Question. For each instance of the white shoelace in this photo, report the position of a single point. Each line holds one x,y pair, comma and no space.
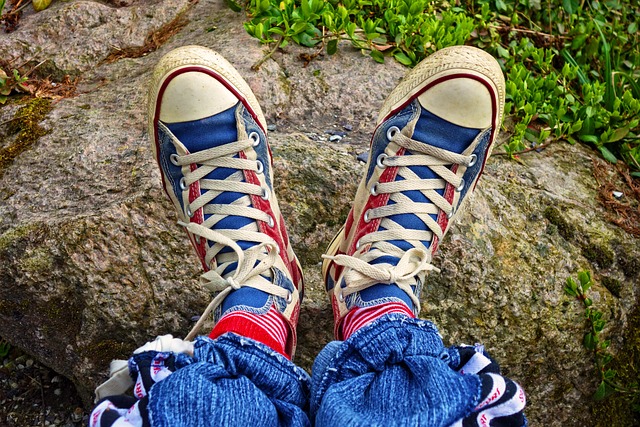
416,262
264,253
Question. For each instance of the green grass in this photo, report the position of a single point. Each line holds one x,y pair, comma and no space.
572,66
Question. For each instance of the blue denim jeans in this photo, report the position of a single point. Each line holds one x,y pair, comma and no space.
393,372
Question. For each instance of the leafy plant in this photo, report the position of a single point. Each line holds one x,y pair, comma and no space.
408,30
573,67
10,83
594,342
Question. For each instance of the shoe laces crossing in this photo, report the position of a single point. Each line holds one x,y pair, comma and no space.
414,263
252,264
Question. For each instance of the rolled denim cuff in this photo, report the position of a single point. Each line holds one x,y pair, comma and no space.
392,372
232,381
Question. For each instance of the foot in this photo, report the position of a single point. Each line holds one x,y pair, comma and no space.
209,137
433,136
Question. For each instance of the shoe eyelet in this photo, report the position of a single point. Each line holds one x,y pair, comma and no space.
289,297
460,187
271,222
174,159
366,216
260,167
380,160
183,184
340,296
474,159
189,213
265,194
255,138
391,132
358,244
452,213
374,189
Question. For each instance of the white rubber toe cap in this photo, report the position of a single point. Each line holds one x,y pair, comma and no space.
461,101
193,96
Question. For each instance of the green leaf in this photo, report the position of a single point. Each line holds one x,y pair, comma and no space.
332,46
570,292
501,5
582,78
377,56
619,133
589,342
306,40
2,6
298,27
402,58
610,374
609,93
631,29
601,392
39,5
636,174
233,5
589,138
608,155
306,9
502,52
570,6
585,278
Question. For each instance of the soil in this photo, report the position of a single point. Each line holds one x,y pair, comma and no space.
33,395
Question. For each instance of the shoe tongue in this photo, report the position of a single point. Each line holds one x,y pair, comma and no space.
438,132
209,132
432,130
435,131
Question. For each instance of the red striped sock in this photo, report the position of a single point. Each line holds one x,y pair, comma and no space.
361,316
269,328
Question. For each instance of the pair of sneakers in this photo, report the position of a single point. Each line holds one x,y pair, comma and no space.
433,136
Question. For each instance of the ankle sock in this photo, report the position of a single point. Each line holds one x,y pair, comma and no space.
362,316
269,328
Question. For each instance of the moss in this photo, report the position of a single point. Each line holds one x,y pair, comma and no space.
616,411
613,285
9,238
566,230
628,262
598,254
285,84
37,260
26,123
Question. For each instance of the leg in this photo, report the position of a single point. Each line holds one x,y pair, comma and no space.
208,134
434,135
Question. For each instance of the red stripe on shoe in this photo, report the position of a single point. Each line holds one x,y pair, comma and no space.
359,317
269,328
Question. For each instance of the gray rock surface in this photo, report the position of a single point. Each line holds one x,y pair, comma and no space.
93,264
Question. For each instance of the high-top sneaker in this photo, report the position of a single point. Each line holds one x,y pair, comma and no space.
433,136
209,137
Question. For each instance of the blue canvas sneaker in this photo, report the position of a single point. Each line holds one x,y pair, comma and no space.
433,136
209,137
